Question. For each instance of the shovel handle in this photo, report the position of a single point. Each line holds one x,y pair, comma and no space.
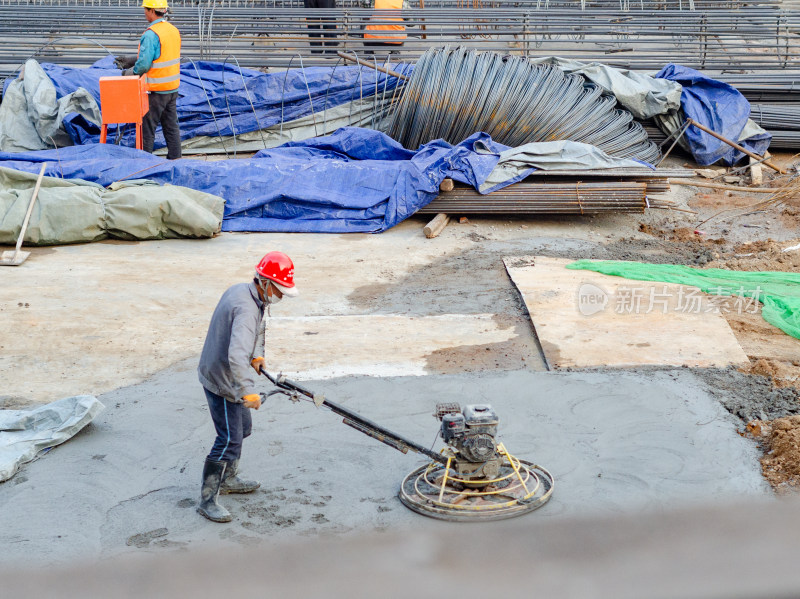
30,208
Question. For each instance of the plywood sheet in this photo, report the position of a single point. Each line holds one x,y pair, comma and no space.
318,347
586,319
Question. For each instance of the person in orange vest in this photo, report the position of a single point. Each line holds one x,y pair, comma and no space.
382,34
158,61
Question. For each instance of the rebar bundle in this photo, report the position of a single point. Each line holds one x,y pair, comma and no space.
260,33
548,198
776,117
453,93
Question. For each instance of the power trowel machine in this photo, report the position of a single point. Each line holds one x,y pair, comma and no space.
472,478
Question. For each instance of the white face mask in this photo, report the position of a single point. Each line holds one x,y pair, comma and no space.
270,299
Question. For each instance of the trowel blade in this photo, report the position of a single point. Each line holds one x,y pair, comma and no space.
13,258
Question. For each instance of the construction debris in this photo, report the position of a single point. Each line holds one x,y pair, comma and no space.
26,434
736,146
724,187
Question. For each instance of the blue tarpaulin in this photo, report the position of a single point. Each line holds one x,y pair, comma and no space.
215,98
354,180
718,106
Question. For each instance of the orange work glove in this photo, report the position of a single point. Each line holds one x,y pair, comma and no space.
257,364
252,401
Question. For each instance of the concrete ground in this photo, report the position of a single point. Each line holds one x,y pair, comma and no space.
616,443
104,315
126,322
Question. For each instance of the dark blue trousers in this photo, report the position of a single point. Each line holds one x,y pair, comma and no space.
233,424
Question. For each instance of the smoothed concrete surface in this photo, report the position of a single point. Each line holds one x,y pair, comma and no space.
616,443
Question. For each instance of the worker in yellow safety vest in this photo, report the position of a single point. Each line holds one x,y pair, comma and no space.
158,61
385,30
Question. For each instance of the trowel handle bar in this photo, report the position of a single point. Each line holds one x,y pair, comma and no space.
357,421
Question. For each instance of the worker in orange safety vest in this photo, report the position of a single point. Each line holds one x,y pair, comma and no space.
385,30
158,61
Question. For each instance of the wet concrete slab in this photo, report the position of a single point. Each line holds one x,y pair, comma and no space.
615,442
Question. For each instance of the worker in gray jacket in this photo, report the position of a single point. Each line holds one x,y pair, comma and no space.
232,356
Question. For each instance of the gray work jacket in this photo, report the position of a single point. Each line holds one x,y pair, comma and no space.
234,338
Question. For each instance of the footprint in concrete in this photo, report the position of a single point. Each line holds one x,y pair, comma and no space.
285,521
261,529
261,512
143,539
229,534
184,503
302,499
322,502
373,499
167,544
276,493
275,447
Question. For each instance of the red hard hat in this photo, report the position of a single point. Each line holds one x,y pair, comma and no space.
277,267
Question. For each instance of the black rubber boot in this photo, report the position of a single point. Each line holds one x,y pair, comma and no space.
213,472
233,484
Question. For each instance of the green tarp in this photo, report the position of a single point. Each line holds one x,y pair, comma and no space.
76,211
779,292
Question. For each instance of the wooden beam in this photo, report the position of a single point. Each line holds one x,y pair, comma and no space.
436,226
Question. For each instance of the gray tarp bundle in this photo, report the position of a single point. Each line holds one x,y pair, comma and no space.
24,434
33,95
549,155
642,95
74,211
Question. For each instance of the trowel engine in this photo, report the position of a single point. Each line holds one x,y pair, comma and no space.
470,435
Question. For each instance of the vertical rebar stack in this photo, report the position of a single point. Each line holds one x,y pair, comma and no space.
453,93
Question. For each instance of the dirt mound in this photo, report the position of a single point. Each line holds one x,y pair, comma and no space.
791,217
782,374
780,440
760,256
680,235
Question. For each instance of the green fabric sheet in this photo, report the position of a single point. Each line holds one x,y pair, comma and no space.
779,292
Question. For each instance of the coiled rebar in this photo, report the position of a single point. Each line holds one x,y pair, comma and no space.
453,93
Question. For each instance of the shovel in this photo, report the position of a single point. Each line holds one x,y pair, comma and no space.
17,257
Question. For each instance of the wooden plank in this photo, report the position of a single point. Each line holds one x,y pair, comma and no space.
585,319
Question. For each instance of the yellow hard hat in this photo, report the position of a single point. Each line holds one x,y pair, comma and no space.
155,4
